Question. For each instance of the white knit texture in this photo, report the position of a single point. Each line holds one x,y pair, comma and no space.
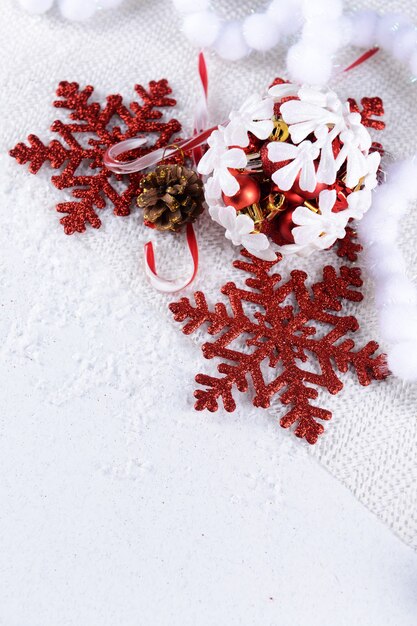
371,443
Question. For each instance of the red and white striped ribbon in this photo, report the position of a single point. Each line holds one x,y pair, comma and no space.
193,147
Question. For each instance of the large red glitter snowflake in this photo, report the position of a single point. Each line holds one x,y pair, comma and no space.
85,138
292,323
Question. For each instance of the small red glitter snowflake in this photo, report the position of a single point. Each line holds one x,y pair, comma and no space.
291,325
84,140
371,108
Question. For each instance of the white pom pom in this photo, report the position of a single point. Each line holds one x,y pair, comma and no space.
202,28
230,44
328,9
109,4
191,6
395,289
413,64
325,31
384,262
286,15
404,43
386,28
308,65
402,360
402,173
36,6
386,202
260,32
345,28
398,322
77,9
378,230
364,27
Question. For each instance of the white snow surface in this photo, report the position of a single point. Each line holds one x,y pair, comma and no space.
121,505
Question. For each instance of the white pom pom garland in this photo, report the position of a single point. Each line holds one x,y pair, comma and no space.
260,32
230,44
36,6
78,10
201,28
325,29
191,6
235,39
402,360
395,294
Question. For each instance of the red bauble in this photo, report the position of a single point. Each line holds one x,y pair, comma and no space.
269,167
254,144
341,203
292,198
280,228
285,226
249,193
308,195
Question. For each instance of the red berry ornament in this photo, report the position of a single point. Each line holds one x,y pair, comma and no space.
249,193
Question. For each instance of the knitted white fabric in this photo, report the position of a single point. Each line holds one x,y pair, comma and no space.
371,443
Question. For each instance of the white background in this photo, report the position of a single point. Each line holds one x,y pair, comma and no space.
119,504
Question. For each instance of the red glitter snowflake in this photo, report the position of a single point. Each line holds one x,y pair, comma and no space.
292,323
85,138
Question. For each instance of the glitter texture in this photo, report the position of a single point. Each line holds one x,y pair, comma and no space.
292,324
85,138
371,107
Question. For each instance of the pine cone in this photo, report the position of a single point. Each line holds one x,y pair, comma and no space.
171,196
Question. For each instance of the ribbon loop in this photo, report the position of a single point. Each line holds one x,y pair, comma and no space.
167,285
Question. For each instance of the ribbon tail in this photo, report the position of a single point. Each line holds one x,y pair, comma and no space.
201,114
166,285
364,57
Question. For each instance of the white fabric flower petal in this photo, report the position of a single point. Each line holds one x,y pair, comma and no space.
261,129
280,151
244,224
227,217
308,180
303,118
373,162
354,123
212,190
236,135
255,116
207,163
319,230
285,177
324,99
214,212
327,170
284,90
255,241
305,235
302,216
228,183
358,203
327,199
217,160
258,245
234,158
356,164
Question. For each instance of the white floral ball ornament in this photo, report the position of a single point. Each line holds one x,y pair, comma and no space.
312,158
